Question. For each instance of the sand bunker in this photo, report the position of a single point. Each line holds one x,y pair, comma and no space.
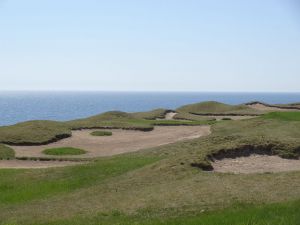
262,107
25,164
255,164
170,115
121,141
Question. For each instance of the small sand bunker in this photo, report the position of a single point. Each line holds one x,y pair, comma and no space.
25,164
170,115
255,164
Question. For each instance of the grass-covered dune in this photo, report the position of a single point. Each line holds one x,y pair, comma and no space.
6,152
164,185
34,132
151,115
114,119
217,108
295,106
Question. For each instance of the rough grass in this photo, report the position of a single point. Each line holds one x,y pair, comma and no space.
114,119
101,133
180,123
33,132
217,108
273,214
64,151
192,117
6,152
151,115
284,116
22,186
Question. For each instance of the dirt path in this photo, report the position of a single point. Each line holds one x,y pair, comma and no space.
25,164
255,164
121,141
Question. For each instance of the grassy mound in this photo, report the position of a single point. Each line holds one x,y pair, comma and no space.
101,133
192,117
34,133
217,108
114,119
6,152
151,115
180,123
64,151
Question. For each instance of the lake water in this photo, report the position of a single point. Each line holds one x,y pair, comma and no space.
22,106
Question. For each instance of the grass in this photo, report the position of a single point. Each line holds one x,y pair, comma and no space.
180,123
217,108
6,152
192,117
23,186
284,116
273,214
101,133
151,115
34,132
64,151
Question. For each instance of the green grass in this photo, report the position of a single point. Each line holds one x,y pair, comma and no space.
33,132
192,117
180,123
6,152
101,133
217,108
21,186
151,115
284,116
64,151
273,214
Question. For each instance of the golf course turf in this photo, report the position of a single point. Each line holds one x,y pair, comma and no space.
166,184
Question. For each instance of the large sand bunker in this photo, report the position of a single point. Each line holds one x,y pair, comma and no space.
267,108
255,164
121,141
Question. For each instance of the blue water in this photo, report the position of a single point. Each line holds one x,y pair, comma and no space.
22,106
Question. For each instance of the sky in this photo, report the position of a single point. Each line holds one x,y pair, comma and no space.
150,45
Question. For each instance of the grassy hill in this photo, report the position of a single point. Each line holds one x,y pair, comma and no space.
217,108
151,115
161,185
34,132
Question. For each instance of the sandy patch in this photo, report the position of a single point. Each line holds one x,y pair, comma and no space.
121,141
262,107
25,164
255,164
170,115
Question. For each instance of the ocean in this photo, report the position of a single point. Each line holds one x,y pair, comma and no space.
23,106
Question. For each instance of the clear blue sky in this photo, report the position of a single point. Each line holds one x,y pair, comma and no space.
150,45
